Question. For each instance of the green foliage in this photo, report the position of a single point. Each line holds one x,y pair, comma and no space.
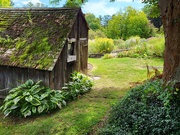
151,10
147,109
101,45
31,99
107,56
152,47
5,3
119,44
93,22
96,34
6,41
79,85
156,46
74,3
129,23
136,47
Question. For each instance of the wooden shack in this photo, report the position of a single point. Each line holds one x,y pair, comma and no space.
42,44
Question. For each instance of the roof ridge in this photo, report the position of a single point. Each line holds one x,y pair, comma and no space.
34,9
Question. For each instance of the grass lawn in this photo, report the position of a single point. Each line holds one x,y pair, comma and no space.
84,115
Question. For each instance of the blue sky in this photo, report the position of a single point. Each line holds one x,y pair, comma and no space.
97,7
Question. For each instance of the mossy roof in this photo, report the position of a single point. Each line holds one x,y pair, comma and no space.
34,38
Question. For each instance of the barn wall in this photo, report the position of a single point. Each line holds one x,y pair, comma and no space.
11,77
83,43
58,75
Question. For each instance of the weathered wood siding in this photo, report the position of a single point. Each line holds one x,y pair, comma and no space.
11,77
83,44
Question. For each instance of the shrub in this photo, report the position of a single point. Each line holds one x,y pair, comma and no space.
96,34
119,44
152,47
101,45
107,56
30,99
132,41
79,85
156,46
137,48
147,109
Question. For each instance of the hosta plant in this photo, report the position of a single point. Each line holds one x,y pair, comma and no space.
79,84
30,99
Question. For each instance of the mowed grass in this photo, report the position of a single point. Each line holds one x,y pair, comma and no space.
84,115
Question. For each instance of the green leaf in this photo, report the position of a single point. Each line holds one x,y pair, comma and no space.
29,83
14,107
40,109
14,90
29,98
64,103
26,93
34,110
54,100
59,105
9,97
27,113
38,90
35,102
7,112
17,99
44,95
8,104
24,108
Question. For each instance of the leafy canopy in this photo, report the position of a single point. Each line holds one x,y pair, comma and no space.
94,23
5,3
130,22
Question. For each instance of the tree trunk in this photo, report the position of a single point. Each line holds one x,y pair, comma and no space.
170,12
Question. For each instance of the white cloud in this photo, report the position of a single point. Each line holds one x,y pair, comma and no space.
99,8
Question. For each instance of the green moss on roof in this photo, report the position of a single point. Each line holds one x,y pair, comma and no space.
34,38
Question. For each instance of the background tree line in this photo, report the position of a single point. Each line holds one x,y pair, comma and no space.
122,25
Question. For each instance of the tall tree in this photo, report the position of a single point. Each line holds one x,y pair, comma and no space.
153,14
93,21
170,12
130,22
105,19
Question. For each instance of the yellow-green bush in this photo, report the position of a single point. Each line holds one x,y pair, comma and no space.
101,45
152,47
156,46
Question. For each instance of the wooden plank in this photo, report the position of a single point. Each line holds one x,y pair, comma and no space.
51,79
46,78
2,77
